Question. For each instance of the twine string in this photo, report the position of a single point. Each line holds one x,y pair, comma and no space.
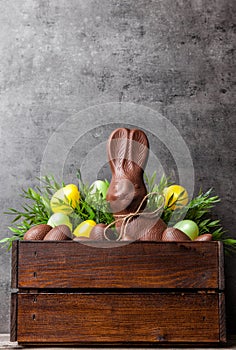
127,218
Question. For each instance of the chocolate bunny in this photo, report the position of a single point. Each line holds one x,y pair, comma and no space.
127,154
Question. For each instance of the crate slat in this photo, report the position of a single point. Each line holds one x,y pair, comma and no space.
137,265
13,329
221,266
222,318
14,264
118,318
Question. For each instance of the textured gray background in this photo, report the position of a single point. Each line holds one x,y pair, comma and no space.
59,57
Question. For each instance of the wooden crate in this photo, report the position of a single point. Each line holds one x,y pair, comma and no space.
144,293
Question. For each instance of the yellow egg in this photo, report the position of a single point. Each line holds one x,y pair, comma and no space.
65,199
84,228
176,197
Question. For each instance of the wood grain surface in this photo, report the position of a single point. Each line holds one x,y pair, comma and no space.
221,267
137,265
14,264
222,318
118,318
13,329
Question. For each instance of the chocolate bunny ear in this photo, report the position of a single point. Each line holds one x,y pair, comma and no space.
138,148
117,147
127,150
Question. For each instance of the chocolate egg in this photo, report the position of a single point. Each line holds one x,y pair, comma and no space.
97,233
37,233
145,229
204,237
172,234
154,233
58,233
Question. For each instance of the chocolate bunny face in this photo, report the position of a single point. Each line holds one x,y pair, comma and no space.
127,154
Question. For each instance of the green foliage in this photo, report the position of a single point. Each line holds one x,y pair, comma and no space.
92,206
35,209
152,186
155,201
195,210
199,210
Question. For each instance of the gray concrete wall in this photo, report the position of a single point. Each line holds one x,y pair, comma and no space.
60,57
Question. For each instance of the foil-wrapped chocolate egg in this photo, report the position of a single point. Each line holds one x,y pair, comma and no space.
172,234
37,233
97,233
58,233
204,237
153,233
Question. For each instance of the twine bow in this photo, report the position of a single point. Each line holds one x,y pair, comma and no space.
127,218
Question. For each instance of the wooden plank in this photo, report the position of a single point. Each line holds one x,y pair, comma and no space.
13,330
137,265
14,264
222,318
221,266
118,318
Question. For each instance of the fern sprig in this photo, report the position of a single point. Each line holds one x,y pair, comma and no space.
34,210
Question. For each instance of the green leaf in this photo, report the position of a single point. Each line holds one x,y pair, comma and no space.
16,218
6,239
214,223
13,229
230,241
204,222
169,203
